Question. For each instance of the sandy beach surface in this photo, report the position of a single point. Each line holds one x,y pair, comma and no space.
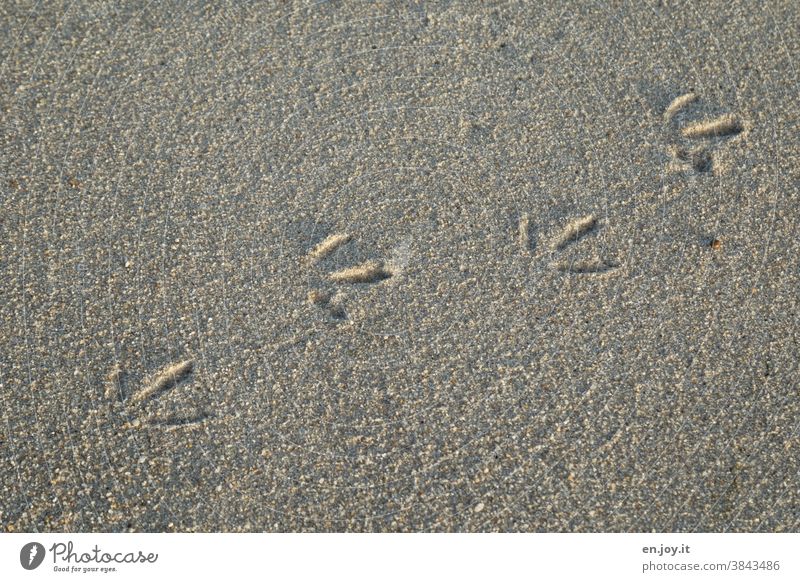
399,266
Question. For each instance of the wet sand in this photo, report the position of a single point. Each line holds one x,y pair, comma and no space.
452,266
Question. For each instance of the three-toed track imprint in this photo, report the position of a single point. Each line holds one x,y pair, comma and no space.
569,235
369,272
141,407
687,154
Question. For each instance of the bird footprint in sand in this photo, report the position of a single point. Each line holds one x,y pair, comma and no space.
141,407
687,154
571,234
333,300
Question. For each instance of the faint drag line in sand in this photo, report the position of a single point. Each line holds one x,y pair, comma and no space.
587,267
34,10
29,359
